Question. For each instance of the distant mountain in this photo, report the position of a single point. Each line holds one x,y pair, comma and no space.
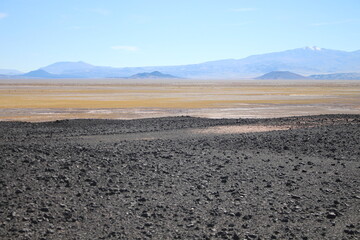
85,70
337,76
9,72
40,73
304,61
281,75
155,74
68,67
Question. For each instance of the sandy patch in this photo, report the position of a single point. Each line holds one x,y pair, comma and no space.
239,129
182,133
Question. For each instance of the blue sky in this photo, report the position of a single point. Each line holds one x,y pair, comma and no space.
36,33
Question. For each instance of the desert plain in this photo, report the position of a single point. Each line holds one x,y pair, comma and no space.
54,99
120,159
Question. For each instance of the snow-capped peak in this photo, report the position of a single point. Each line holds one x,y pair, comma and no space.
313,48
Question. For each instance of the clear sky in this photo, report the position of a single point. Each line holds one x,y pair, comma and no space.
121,33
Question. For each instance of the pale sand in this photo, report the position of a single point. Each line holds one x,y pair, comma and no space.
181,134
240,129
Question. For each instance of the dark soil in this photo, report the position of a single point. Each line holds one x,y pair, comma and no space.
106,179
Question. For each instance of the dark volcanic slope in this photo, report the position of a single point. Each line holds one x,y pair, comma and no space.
59,181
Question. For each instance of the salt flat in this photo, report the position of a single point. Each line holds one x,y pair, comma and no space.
52,99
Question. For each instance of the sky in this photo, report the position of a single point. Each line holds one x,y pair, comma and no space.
122,33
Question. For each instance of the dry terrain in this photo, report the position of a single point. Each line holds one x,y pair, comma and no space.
43,100
181,178
240,173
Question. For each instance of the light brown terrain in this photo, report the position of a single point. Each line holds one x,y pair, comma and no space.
46,100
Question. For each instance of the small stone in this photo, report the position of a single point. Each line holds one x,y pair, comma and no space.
295,197
252,236
331,215
145,214
247,217
210,225
93,183
67,214
18,191
350,232
350,226
236,237
44,209
224,179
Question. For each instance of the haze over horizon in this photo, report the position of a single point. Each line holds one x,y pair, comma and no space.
162,33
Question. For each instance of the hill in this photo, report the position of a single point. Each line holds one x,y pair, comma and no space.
155,74
281,75
40,73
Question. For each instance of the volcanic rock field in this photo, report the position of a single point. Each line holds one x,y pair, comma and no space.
181,178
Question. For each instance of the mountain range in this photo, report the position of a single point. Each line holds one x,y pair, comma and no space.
305,61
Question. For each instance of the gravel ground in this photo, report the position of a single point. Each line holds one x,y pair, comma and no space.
173,178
